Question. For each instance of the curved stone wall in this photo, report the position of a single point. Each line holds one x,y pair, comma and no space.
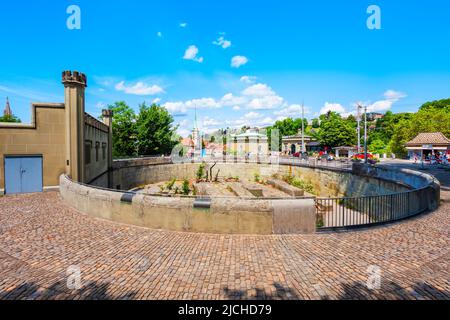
221,215
231,215
327,182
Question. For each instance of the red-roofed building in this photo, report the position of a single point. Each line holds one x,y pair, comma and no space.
428,143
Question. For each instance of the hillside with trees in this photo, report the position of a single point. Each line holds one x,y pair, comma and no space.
386,135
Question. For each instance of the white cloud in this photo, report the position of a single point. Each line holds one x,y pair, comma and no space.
293,111
266,121
394,95
184,132
176,107
248,79
379,106
231,100
202,103
183,106
191,54
100,105
391,97
267,102
207,122
140,88
251,121
258,90
262,97
238,61
156,101
221,42
183,24
333,107
253,115
236,108
159,34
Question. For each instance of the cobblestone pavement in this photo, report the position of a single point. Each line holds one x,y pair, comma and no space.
41,238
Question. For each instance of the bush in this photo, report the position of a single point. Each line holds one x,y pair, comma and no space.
257,177
171,183
185,187
200,172
299,183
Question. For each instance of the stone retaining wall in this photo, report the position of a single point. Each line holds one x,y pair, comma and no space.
406,177
224,215
327,183
231,215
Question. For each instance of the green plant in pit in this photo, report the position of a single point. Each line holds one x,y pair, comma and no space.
299,183
170,184
257,177
288,178
304,185
320,223
185,187
200,171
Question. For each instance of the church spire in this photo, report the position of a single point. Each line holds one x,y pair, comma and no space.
196,123
7,111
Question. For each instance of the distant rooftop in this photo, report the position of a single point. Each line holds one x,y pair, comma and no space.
429,138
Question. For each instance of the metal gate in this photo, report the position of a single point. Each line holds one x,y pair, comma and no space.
23,174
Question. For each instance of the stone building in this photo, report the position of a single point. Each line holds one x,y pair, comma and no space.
61,139
251,143
293,144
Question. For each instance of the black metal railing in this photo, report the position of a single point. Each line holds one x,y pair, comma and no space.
343,164
349,212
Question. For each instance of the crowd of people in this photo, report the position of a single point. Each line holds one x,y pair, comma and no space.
433,158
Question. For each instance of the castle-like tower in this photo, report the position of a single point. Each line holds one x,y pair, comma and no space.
7,111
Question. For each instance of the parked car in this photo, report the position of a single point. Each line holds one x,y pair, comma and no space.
361,156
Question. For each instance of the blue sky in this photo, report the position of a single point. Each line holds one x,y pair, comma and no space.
180,54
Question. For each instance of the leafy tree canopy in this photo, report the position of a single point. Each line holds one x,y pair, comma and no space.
335,131
124,130
439,104
155,131
12,119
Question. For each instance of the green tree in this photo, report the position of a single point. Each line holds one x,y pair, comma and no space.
431,118
287,127
156,134
12,119
377,146
315,123
439,104
124,130
335,131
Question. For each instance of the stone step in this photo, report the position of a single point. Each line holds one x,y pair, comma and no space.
286,188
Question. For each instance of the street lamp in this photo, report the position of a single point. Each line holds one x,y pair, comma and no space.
303,130
358,119
365,135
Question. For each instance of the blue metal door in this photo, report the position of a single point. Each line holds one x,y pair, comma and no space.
23,174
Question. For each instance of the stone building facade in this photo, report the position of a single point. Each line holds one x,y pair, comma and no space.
61,139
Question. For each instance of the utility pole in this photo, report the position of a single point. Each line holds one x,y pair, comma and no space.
358,119
303,130
365,135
